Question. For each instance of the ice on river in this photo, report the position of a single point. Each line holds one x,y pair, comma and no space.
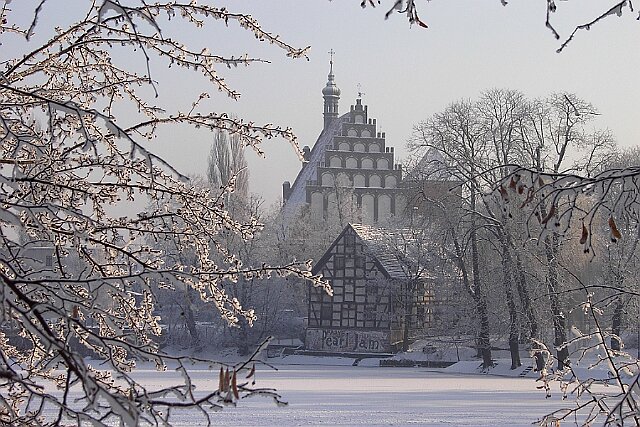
355,395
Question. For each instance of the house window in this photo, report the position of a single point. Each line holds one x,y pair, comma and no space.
348,315
338,262
49,261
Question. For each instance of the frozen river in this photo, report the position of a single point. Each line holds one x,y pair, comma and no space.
346,395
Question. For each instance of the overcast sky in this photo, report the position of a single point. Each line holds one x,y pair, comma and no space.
407,74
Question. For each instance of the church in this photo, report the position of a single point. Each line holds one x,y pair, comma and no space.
350,165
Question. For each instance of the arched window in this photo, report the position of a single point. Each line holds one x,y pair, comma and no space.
335,162
343,180
390,181
384,207
367,208
367,163
383,164
327,179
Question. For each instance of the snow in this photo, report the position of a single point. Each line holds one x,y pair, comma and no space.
331,391
343,391
348,395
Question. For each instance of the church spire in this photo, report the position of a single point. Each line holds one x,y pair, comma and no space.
331,95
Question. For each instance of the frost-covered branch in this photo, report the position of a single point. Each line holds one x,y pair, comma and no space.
81,259
409,8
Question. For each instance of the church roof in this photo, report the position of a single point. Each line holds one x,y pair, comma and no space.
331,89
433,166
298,195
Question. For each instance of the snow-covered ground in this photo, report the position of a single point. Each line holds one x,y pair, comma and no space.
329,391
332,391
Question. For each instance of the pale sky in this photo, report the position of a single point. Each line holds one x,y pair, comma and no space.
407,74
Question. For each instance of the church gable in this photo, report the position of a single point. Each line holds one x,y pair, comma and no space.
350,167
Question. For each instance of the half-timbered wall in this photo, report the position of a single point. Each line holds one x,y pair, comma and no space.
361,295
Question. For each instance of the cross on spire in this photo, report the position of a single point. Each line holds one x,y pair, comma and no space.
331,53
360,92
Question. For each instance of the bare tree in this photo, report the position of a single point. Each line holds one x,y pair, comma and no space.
458,134
598,213
62,181
228,165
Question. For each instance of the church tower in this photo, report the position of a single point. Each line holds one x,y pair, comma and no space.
331,95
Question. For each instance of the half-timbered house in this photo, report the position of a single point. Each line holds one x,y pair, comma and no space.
382,292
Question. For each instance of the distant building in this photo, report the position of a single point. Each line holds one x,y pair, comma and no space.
350,164
382,295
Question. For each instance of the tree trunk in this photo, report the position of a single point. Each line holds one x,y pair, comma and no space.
514,331
478,291
559,319
405,333
190,321
482,342
525,300
616,327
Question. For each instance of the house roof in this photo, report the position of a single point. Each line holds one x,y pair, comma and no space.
398,251
399,254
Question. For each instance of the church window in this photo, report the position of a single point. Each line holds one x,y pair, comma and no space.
327,180
390,181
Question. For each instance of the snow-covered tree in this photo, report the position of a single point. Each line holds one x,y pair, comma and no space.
88,208
475,140
228,165
599,222
458,134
